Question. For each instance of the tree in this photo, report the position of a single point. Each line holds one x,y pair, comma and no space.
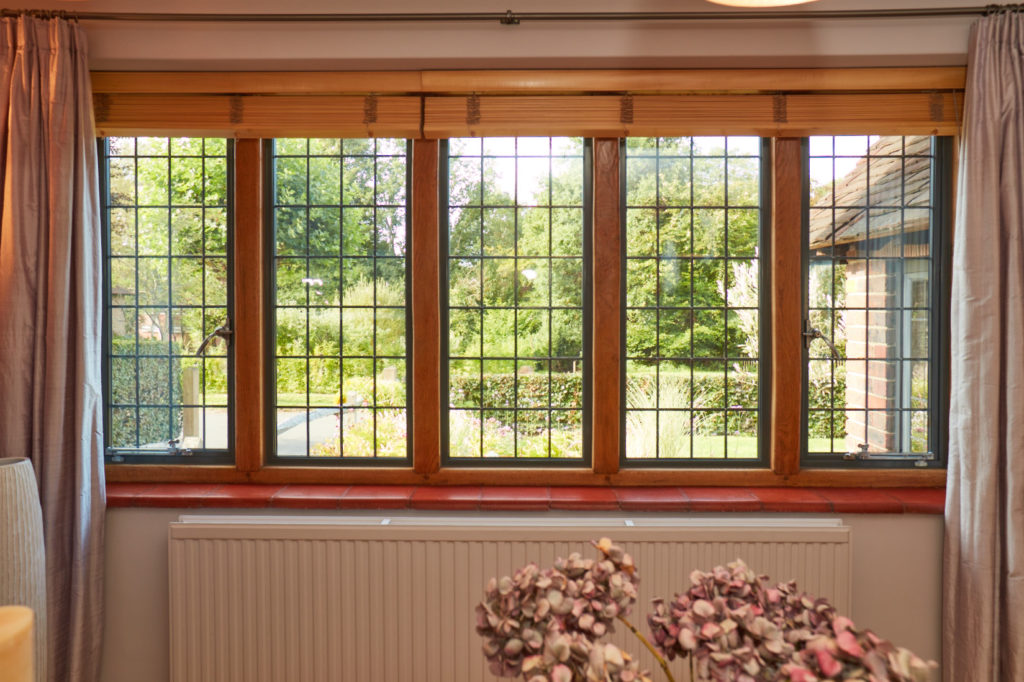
690,216
526,256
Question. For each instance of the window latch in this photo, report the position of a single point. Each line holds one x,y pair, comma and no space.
223,331
863,453
810,333
172,447
860,453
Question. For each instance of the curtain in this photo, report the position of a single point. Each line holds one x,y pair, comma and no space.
983,611
50,318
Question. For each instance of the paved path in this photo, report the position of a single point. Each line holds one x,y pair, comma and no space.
291,441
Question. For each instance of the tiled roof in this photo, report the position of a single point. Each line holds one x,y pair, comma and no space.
899,178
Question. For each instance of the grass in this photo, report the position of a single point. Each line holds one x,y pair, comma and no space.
299,399
826,445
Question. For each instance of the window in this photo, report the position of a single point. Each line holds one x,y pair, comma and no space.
339,297
601,288
692,299
874,299
517,234
166,205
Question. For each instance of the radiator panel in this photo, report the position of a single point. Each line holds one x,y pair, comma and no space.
286,600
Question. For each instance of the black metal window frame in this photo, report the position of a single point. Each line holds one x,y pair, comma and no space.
447,460
764,324
270,304
172,455
940,259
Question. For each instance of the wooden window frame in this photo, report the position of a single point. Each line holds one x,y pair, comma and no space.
786,104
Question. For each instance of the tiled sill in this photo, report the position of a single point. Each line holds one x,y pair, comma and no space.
483,498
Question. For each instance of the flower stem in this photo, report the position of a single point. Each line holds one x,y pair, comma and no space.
661,661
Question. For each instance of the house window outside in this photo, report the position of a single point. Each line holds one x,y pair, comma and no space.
874,274
516,279
167,244
693,277
339,291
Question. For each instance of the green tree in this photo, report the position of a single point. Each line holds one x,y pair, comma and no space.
688,215
527,256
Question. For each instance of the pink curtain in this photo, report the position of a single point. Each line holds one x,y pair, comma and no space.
983,612
50,318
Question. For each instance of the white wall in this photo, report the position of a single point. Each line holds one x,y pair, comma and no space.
897,570
255,46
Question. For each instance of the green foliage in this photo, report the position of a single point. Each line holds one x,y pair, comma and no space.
355,190
708,391
501,440
168,236
526,391
362,432
532,257
150,384
678,237
360,390
356,330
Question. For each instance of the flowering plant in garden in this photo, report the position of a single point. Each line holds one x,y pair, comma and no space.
731,624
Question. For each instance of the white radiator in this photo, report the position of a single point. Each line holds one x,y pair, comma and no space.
329,599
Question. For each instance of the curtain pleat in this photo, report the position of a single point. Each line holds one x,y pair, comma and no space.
983,611
50,319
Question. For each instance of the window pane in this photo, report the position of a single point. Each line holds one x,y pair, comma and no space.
869,294
693,227
516,303
340,319
165,213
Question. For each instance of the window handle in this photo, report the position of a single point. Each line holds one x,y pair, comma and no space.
223,331
810,333
173,449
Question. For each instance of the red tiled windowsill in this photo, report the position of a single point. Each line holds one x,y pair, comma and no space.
529,498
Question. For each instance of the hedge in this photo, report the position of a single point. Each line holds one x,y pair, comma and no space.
499,390
153,387
709,391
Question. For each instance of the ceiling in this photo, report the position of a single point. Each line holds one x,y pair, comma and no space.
569,44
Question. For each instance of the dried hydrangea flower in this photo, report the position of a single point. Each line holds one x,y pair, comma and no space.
734,626
543,624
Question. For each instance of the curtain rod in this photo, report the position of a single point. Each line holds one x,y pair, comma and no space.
514,18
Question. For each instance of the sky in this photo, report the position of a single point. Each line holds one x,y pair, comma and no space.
831,157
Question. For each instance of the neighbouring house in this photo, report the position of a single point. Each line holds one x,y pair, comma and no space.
873,226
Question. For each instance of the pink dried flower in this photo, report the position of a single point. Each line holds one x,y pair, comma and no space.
736,627
542,624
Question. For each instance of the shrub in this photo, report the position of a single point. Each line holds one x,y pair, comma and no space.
154,388
299,330
709,391
501,390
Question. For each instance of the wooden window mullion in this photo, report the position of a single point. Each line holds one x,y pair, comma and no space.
607,283
786,304
425,301
248,314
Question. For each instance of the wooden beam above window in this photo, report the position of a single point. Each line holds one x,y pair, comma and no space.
562,81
